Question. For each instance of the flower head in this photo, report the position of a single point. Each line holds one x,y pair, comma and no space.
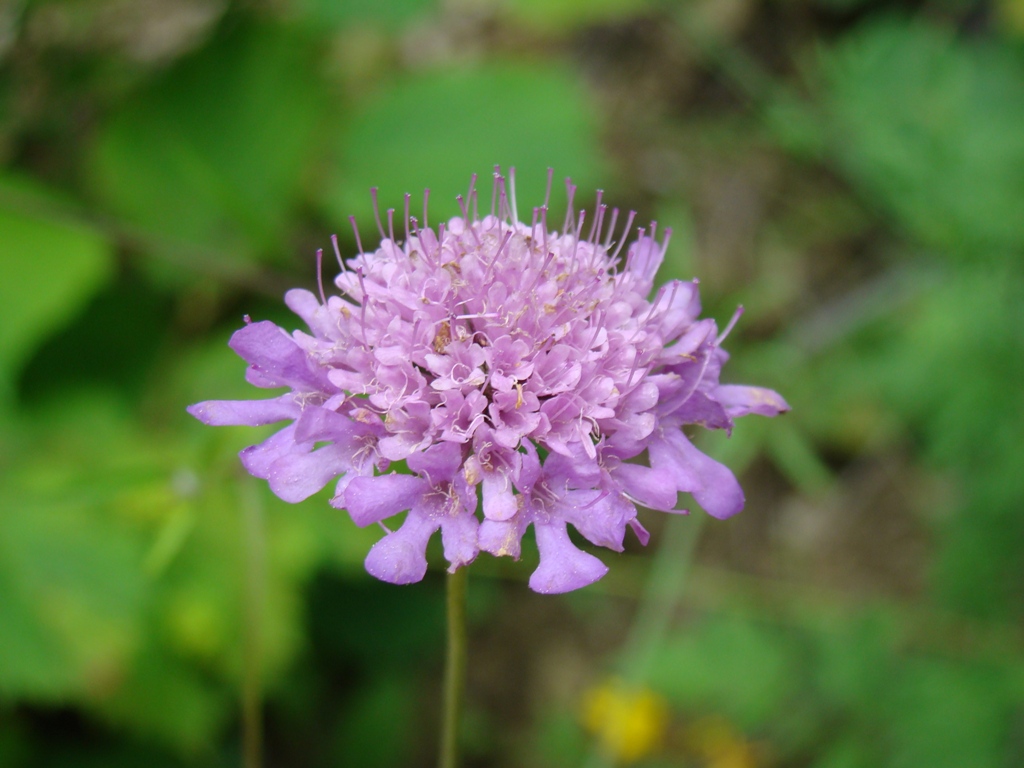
525,372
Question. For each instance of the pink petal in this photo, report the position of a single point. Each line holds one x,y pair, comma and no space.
563,567
502,539
250,413
297,475
739,400
719,492
372,499
258,459
653,487
401,556
459,536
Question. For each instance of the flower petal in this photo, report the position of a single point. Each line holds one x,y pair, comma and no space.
739,400
276,360
504,538
600,517
401,556
372,499
459,536
250,413
499,503
719,491
297,475
653,487
258,459
563,567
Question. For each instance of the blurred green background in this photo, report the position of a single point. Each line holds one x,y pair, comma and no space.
851,171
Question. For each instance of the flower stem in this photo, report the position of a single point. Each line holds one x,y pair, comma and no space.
454,669
252,650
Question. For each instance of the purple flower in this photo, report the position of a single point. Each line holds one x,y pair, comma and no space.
524,376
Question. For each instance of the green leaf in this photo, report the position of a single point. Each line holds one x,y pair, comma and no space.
566,14
52,267
930,128
435,130
375,726
70,599
165,698
215,153
388,13
731,664
943,714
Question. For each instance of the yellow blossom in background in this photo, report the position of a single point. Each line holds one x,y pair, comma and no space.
628,721
718,744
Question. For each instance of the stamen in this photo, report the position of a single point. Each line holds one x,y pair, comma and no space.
547,191
502,199
570,192
735,317
544,220
597,218
391,224
440,243
494,189
470,196
376,211
465,214
598,224
426,197
406,217
337,252
573,261
625,233
629,256
512,192
320,274
355,231
611,228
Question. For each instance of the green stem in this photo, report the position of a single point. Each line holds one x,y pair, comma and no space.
252,650
455,669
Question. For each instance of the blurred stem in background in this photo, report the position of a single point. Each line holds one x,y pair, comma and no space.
252,652
455,669
662,595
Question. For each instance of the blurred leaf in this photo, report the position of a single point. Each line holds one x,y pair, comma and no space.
795,456
51,267
70,597
375,725
168,700
731,665
559,740
435,130
216,151
100,346
944,715
387,13
847,753
565,14
89,503
856,662
929,126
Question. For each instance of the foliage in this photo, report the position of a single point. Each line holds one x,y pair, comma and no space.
852,174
